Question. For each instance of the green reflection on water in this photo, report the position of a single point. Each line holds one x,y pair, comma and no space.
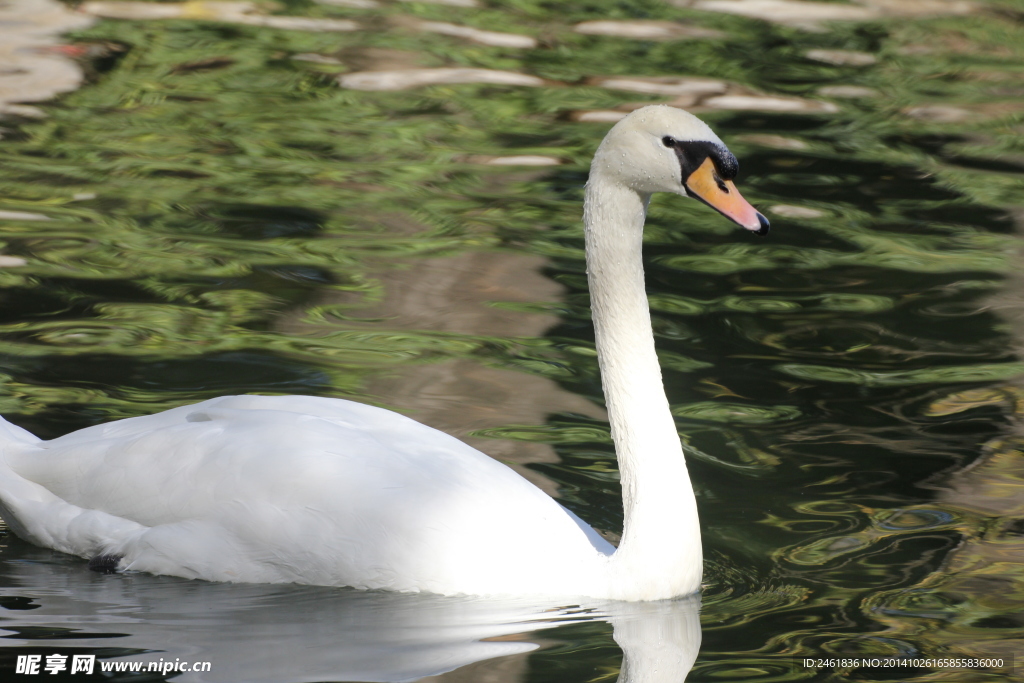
818,376
734,412
965,373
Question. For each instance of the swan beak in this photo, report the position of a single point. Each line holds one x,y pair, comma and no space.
722,195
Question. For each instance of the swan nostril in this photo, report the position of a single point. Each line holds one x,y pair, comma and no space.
721,183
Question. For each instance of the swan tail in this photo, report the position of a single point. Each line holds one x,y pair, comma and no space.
38,516
10,433
15,491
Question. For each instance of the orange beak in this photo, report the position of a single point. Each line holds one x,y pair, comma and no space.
722,195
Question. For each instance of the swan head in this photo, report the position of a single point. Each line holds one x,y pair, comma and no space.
664,149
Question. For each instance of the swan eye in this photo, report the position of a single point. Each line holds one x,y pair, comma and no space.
668,141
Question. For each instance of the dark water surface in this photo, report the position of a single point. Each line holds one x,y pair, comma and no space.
222,217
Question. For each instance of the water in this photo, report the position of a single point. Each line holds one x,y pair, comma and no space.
224,218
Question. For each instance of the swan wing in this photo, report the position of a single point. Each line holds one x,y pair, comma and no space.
299,489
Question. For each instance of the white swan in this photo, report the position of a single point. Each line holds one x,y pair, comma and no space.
331,492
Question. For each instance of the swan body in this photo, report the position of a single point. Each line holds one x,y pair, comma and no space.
332,492
301,489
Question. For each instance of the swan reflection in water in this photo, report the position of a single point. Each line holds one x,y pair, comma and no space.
255,632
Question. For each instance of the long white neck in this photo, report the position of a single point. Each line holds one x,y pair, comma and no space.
660,552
